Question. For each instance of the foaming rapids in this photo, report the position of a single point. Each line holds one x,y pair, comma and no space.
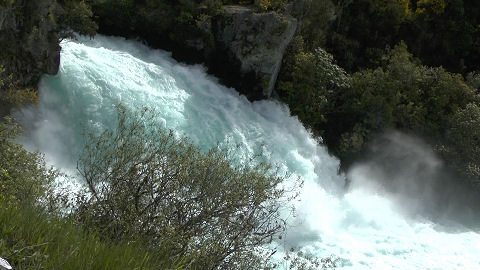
363,227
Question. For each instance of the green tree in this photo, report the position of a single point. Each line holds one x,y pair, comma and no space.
76,16
24,177
12,95
144,182
362,29
463,142
401,94
315,22
309,83
439,32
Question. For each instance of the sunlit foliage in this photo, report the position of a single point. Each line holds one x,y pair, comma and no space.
143,182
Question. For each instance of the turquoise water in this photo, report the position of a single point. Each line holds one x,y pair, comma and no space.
362,226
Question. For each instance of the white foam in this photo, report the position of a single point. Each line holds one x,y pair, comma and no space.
361,227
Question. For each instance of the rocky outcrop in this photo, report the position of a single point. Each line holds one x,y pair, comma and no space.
29,40
242,47
250,48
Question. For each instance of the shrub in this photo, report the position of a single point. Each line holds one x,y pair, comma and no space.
11,95
36,234
463,142
24,178
144,182
405,95
77,16
309,84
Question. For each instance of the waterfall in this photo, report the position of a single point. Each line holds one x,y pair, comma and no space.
363,226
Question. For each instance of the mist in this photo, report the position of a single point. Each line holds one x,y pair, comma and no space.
378,223
406,170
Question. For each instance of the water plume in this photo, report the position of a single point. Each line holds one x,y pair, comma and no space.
406,170
362,226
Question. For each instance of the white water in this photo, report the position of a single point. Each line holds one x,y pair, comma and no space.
361,227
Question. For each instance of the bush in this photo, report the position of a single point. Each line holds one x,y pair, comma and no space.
309,83
12,95
24,178
318,14
363,28
266,5
463,142
146,183
36,234
405,95
77,16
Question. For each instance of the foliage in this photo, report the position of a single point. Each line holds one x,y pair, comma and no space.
391,89
309,83
473,80
12,95
314,25
76,17
439,32
297,260
144,182
18,97
34,235
23,175
363,29
435,6
463,137
6,2
264,5
166,24
404,95
399,94
30,239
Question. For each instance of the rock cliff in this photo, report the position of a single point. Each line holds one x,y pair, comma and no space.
29,40
252,47
242,47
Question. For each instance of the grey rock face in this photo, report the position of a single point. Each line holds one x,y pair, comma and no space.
255,43
29,40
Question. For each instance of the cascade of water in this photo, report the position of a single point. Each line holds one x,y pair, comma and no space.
361,227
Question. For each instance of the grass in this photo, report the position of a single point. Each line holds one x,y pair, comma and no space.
33,240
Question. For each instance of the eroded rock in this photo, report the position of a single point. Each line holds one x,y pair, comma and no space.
29,40
252,45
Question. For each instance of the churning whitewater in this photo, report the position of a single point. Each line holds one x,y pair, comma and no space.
361,227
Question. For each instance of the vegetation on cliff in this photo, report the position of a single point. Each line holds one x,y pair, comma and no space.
30,32
439,32
388,87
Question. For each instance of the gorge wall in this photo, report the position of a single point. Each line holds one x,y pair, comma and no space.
252,46
242,47
29,40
